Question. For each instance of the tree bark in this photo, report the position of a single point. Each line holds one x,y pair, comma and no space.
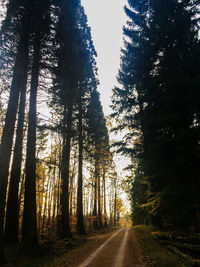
45,207
65,222
20,70
12,215
80,222
95,221
115,202
72,187
29,225
104,200
100,224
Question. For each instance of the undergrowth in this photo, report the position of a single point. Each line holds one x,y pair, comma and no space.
158,253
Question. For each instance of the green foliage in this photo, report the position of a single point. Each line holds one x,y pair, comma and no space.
157,108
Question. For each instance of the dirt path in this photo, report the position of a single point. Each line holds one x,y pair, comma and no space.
120,250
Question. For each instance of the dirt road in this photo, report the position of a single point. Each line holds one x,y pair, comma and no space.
120,250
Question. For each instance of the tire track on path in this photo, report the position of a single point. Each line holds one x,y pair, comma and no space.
96,253
120,255
111,253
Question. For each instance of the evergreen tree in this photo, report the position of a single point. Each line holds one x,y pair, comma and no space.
99,135
29,226
157,104
73,75
87,82
18,11
12,213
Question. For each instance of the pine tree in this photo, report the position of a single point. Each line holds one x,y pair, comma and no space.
67,83
29,226
87,82
98,133
17,12
156,103
12,213
74,75
174,126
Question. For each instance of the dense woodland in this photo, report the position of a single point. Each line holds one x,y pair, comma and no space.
157,107
57,174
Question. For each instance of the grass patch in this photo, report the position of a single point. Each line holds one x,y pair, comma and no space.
158,253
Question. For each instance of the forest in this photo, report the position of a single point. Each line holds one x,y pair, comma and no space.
157,107
57,171
58,175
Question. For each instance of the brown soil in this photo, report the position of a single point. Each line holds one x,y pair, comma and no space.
76,255
80,249
133,256
133,253
107,256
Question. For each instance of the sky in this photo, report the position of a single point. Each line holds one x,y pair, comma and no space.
106,19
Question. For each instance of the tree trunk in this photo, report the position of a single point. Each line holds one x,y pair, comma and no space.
100,224
45,208
59,184
20,199
12,215
115,203
80,222
20,70
50,197
111,206
104,200
65,222
72,183
95,222
29,225
54,197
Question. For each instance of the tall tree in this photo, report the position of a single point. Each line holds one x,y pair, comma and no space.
12,213
73,78
87,77
66,84
98,133
80,223
153,105
29,227
22,11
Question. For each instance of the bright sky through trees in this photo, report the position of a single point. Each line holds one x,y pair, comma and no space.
106,19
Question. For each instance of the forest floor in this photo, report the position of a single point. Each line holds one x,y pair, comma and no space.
111,247
140,246
168,248
57,253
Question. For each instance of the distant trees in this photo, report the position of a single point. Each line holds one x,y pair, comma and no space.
100,148
74,80
157,108
54,168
